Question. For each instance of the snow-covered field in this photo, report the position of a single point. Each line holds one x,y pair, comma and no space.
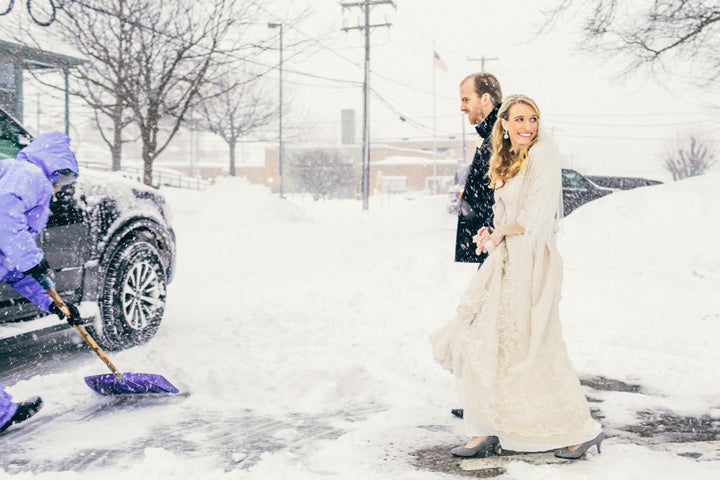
297,332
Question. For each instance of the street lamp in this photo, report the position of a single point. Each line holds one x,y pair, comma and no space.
280,108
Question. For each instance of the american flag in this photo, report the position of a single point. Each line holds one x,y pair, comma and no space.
438,62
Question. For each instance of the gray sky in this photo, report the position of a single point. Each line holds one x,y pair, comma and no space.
603,123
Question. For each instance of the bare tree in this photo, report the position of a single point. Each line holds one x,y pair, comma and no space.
236,110
181,46
104,38
324,173
147,61
656,33
689,160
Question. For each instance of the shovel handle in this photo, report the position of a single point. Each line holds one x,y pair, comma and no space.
84,334
96,348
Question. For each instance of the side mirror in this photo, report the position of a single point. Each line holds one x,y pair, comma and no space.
24,140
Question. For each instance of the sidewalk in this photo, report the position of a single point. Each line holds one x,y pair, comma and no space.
660,430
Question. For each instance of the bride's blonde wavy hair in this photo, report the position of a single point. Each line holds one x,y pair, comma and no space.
504,162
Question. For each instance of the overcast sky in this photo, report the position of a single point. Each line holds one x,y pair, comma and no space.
603,122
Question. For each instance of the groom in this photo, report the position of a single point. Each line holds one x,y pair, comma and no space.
480,99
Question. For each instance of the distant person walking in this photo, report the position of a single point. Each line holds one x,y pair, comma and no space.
505,344
27,184
480,97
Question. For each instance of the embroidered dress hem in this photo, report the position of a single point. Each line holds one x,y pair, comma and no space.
519,443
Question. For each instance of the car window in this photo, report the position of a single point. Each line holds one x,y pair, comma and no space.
12,137
64,209
572,179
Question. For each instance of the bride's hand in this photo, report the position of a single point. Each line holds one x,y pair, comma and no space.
497,237
481,240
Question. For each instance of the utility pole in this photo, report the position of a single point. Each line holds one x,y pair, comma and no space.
434,113
365,6
280,131
482,61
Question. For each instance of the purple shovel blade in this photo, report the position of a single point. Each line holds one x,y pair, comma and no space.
130,383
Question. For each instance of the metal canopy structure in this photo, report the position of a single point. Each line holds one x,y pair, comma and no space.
14,59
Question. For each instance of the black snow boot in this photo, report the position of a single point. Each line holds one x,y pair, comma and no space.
25,410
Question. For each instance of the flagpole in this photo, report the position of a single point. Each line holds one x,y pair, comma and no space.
435,185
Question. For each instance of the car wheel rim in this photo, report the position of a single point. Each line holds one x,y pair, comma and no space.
141,295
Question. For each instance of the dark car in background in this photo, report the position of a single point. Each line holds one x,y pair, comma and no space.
622,183
111,246
576,188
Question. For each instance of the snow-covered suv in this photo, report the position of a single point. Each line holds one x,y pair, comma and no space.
112,248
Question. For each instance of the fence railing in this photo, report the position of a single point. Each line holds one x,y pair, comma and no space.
163,178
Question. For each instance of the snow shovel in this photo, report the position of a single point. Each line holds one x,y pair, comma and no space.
116,383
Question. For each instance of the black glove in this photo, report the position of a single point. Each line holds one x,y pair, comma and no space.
43,274
73,319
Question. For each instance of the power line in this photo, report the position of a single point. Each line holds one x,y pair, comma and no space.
482,61
625,115
47,7
353,62
405,118
627,125
365,7
312,39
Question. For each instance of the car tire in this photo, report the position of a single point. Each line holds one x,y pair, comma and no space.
132,300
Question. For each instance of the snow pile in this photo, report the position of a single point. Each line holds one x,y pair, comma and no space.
642,269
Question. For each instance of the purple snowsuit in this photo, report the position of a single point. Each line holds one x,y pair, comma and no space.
7,406
26,188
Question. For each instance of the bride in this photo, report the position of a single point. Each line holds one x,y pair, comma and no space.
505,346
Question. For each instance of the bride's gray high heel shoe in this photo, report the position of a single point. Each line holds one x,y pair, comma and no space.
484,448
580,451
